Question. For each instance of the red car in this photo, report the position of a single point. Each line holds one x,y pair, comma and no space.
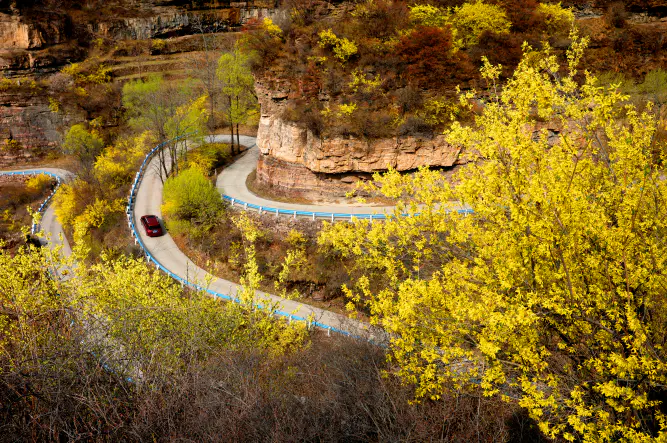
151,225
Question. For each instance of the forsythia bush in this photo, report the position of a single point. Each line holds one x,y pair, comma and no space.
271,28
38,182
131,320
68,201
429,15
557,17
472,19
552,293
94,217
343,48
117,164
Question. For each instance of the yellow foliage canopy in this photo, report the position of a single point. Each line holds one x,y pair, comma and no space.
553,292
118,163
471,20
38,183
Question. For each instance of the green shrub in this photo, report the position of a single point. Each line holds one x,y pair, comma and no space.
191,196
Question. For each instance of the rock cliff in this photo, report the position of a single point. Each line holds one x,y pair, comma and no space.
27,119
294,159
17,33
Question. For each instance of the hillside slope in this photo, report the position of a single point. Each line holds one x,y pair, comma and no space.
348,89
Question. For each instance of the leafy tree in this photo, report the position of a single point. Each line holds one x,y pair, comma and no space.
343,48
429,15
191,196
71,200
85,145
204,64
208,156
262,40
118,163
79,356
556,18
169,110
238,89
98,215
552,292
39,183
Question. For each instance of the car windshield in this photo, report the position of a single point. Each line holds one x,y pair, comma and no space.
152,222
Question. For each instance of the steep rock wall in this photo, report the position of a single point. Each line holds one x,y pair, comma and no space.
27,119
295,159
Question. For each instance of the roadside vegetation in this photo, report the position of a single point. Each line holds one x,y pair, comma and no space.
383,68
20,197
553,291
120,352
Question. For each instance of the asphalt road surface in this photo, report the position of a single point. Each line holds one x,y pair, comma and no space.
232,182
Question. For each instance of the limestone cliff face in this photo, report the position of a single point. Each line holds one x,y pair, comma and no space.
295,159
27,119
164,22
15,33
295,144
42,37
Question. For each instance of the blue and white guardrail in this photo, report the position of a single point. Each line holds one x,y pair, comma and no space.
313,215
45,203
294,213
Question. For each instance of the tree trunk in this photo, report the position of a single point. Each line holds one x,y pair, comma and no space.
231,127
238,141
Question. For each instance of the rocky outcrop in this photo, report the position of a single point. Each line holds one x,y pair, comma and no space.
27,119
293,143
39,37
295,180
293,158
17,33
173,22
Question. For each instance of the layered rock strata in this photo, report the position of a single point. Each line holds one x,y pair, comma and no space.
28,120
297,161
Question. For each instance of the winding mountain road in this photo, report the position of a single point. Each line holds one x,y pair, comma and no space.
49,223
232,183
165,251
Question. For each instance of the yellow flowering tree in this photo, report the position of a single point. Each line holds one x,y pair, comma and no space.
552,292
343,48
556,17
429,15
471,20
117,164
